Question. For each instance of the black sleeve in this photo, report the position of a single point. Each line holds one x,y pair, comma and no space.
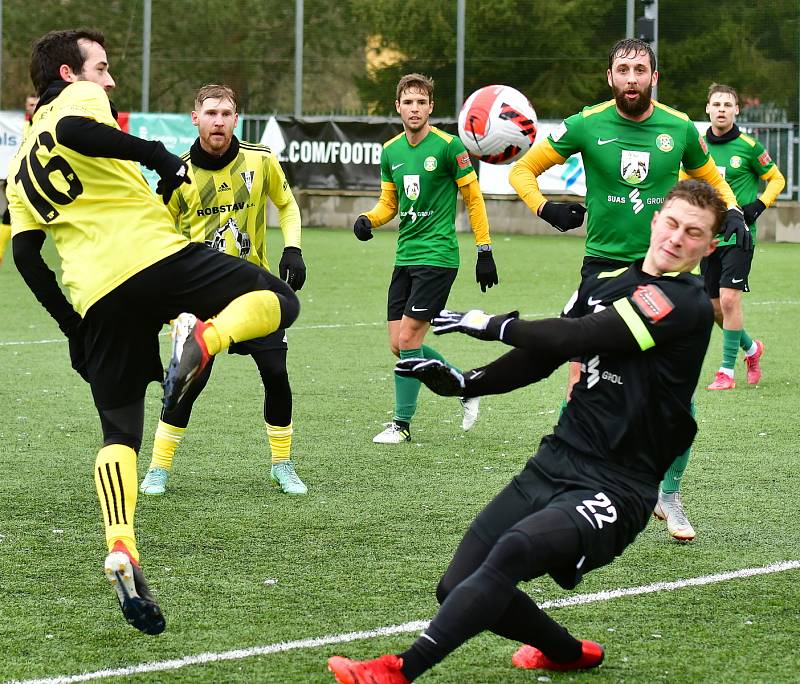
542,346
42,281
94,139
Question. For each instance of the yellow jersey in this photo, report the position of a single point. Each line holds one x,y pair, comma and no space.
106,223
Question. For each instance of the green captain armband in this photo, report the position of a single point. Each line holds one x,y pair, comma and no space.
639,330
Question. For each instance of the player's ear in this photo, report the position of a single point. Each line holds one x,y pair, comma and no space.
708,109
397,105
608,77
195,118
711,247
431,105
67,74
654,79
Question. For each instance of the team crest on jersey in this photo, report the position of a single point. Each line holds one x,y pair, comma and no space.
411,187
736,161
665,143
634,166
652,302
430,163
230,239
247,177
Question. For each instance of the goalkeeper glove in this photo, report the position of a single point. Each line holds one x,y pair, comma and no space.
733,224
563,216
292,268
436,375
474,323
485,270
363,228
752,211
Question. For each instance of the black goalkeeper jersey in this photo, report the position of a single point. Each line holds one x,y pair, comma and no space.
631,409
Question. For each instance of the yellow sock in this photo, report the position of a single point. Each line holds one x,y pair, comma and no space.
280,442
254,314
166,442
115,479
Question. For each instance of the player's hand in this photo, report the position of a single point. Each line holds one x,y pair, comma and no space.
171,169
752,211
292,268
363,228
563,216
485,270
474,323
733,224
436,375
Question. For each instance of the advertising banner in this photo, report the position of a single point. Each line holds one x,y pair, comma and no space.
10,138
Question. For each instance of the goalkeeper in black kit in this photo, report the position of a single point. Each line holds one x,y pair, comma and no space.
591,487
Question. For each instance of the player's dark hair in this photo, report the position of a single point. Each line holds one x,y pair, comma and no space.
214,91
56,48
631,46
416,81
720,88
702,195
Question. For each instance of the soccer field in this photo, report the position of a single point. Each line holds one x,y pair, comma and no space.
259,586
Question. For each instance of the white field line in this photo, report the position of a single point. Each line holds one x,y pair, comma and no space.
321,326
416,626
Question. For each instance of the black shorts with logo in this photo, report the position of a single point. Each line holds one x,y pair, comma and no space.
419,292
276,341
120,331
607,507
727,266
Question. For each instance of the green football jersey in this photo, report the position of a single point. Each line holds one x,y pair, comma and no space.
426,178
630,166
741,161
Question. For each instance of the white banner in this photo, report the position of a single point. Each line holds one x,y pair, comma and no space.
564,179
10,138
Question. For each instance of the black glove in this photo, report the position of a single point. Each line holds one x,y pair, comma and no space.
733,224
475,323
437,376
171,169
563,216
485,270
292,268
752,211
363,228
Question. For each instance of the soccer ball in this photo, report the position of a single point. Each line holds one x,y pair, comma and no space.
497,124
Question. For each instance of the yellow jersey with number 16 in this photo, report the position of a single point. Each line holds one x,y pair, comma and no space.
106,222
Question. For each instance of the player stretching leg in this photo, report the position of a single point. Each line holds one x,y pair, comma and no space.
421,170
128,272
590,488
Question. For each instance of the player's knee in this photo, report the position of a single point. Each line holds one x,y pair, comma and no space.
290,307
394,347
729,300
513,556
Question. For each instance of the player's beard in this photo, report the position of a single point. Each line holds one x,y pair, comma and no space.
635,107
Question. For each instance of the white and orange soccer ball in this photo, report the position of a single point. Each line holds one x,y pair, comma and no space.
497,124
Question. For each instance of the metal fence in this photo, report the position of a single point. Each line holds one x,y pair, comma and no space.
781,140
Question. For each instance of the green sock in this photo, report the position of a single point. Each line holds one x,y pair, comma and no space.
431,353
406,390
672,479
730,347
746,341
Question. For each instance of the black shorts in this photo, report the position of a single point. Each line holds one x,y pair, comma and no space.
727,266
276,341
580,304
419,292
120,330
607,508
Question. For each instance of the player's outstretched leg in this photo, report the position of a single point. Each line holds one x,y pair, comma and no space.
189,357
531,658
383,670
137,603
